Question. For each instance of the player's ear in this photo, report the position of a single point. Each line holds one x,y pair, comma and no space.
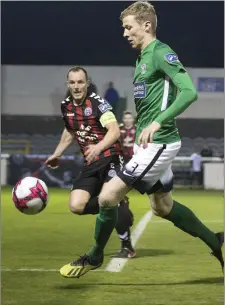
67,84
148,26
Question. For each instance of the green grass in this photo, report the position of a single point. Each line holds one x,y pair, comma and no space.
172,268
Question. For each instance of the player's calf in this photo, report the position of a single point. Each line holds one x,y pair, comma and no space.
161,203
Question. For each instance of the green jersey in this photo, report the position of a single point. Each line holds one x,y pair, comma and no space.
154,90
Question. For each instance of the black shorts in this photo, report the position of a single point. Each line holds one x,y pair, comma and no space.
93,176
126,159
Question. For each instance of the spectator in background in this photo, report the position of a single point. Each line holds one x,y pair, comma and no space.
206,151
92,87
196,169
112,95
127,135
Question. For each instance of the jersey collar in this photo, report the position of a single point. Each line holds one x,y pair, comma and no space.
149,47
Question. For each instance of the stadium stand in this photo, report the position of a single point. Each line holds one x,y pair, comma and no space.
45,144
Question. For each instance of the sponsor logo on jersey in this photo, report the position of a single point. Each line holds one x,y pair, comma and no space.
143,69
171,57
104,107
70,114
139,90
88,111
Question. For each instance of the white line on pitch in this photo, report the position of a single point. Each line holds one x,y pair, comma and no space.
204,221
117,264
39,270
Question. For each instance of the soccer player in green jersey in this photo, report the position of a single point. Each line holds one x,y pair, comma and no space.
162,91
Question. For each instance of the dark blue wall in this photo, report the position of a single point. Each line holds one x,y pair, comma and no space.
90,33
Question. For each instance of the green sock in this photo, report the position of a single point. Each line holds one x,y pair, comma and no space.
183,218
105,223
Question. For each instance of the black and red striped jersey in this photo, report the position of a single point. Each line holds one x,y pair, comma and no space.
127,139
84,121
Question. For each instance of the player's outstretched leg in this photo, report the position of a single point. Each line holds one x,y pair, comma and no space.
105,223
109,197
184,219
123,225
218,253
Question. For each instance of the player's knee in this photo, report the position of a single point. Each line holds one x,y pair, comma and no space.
161,204
107,199
77,207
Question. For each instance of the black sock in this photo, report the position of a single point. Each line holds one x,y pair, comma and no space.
124,222
92,207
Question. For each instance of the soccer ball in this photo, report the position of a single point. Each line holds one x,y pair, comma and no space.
30,195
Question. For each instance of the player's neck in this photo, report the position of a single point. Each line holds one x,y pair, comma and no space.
149,39
78,102
128,127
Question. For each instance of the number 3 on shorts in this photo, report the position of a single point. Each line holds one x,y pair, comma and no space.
134,167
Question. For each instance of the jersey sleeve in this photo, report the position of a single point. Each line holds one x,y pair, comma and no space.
167,61
106,118
104,112
103,107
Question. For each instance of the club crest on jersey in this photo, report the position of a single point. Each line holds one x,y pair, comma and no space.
112,173
143,69
139,90
104,107
88,111
171,57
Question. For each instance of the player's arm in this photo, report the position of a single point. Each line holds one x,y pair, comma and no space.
186,96
108,120
187,93
64,143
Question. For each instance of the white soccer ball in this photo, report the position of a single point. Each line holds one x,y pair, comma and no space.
30,195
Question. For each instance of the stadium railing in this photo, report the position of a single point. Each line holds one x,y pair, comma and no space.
14,146
212,173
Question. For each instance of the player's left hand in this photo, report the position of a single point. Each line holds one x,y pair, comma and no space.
147,134
92,152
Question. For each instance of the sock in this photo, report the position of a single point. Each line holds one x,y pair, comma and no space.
105,223
183,218
124,222
92,207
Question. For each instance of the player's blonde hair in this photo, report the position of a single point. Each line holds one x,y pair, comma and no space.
142,11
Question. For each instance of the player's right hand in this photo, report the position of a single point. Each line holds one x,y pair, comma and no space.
52,161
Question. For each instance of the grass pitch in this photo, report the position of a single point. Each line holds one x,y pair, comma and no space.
171,267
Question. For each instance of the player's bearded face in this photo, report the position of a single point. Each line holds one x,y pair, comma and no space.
134,32
77,84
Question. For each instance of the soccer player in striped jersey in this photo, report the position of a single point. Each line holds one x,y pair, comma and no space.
89,121
162,90
127,135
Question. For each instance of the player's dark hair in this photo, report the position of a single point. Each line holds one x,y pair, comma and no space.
127,112
77,69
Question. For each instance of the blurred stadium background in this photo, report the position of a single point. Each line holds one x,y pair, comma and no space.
40,42
37,56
